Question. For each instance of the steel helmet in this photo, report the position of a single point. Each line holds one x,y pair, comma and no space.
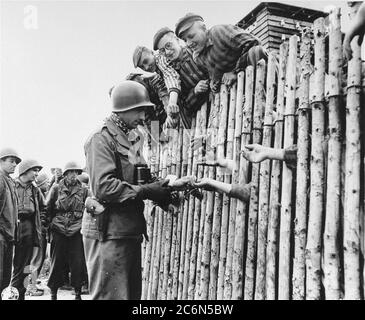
72,165
42,179
129,95
28,164
8,152
83,177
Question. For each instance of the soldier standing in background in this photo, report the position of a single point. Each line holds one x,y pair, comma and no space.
65,206
9,159
30,208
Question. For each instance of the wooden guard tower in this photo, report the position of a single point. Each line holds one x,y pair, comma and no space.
273,22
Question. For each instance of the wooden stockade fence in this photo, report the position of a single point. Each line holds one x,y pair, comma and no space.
301,235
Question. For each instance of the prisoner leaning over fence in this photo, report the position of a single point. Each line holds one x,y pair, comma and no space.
9,159
113,238
223,49
194,78
155,62
65,206
31,208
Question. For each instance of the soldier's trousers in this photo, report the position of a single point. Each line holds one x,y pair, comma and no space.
6,261
114,268
39,255
21,264
69,250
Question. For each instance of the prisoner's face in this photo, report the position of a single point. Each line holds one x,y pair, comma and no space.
196,37
147,61
169,46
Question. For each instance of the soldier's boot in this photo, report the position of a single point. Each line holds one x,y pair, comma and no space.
78,294
54,294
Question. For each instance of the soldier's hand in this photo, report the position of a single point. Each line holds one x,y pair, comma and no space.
93,206
201,87
229,78
183,183
256,153
156,191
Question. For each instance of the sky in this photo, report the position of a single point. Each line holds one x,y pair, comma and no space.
60,58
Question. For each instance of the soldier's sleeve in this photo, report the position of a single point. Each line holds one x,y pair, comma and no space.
101,164
42,208
50,202
2,196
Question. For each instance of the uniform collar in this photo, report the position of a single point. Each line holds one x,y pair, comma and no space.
64,183
120,136
20,183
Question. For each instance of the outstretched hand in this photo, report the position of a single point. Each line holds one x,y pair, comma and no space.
205,183
255,153
183,183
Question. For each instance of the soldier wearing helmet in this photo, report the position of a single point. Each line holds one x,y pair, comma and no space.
30,209
9,159
39,253
113,239
65,206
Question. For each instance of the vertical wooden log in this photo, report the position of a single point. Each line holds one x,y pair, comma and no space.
226,201
154,169
183,169
286,194
273,228
240,225
186,162
211,146
254,197
352,184
264,187
202,172
164,230
314,243
201,238
240,99
168,224
175,170
332,221
301,204
157,253
189,231
218,201
182,293
200,129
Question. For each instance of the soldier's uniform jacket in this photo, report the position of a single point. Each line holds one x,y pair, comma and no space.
63,201
35,218
8,207
110,159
